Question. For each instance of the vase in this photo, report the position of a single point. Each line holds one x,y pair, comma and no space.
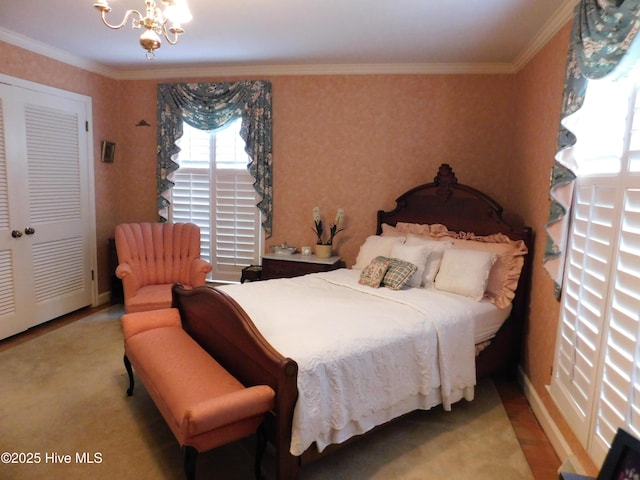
323,251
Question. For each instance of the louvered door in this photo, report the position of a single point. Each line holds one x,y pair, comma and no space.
11,288
46,217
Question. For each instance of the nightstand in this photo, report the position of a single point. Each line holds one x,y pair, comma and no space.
280,265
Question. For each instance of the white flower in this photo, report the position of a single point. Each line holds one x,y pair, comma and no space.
333,229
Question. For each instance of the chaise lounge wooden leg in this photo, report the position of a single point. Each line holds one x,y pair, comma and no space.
127,365
261,446
189,459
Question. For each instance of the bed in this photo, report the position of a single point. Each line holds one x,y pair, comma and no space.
339,372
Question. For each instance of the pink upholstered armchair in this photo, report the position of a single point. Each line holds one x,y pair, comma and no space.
154,256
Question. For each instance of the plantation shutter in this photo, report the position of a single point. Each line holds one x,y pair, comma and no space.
619,396
584,303
595,380
191,203
236,220
214,190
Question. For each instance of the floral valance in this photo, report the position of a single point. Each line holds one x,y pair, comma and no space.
209,106
603,33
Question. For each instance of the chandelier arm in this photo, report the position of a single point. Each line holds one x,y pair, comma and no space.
127,14
176,30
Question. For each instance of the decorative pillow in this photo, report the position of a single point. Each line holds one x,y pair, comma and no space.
465,272
373,274
435,247
431,231
414,254
504,276
375,246
390,231
505,273
398,274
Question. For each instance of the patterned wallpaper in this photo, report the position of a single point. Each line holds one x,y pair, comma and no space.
357,142
351,141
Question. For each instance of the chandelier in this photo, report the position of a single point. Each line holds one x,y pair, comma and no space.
154,21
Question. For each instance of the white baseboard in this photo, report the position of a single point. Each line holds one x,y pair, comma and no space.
569,461
104,298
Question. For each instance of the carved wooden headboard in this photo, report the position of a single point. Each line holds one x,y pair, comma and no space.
446,201
462,208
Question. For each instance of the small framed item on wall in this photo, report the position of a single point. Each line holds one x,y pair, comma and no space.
108,151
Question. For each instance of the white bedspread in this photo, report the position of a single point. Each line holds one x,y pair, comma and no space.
364,355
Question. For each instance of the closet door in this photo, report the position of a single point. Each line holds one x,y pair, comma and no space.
11,288
46,252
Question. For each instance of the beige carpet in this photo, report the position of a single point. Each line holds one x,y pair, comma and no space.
63,394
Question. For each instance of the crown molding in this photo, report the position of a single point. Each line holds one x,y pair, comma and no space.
55,53
297,70
559,19
563,15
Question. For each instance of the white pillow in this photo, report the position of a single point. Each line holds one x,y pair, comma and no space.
416,254
465,272
436,247
375,246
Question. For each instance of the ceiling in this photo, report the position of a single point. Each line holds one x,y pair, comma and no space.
304,36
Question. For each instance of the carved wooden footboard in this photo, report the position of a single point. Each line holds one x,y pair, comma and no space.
223,329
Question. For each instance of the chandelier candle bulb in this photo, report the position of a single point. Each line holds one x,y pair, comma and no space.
178,12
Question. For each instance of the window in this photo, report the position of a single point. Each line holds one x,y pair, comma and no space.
596,376
214,190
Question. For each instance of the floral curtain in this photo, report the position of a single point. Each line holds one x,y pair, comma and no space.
209,106
602,35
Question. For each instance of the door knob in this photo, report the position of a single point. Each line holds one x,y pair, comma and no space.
29,230
16,234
